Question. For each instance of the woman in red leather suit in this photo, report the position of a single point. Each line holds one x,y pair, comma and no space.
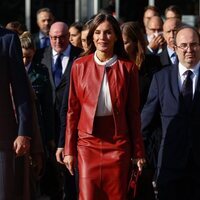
103,119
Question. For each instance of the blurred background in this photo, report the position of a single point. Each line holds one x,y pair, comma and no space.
79,10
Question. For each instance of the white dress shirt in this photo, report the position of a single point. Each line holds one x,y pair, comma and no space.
104,106
172,55
64,58
194,76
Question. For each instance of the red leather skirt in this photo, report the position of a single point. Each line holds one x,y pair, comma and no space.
103,162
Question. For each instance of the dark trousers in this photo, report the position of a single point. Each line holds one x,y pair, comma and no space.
7,175
180,184
70,184
145,184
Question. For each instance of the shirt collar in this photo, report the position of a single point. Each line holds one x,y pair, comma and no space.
27,67
170,51
42,35
66,52
107,63
183,69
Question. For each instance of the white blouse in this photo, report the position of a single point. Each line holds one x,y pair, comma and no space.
104,106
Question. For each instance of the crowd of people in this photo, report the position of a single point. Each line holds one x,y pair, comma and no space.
82,104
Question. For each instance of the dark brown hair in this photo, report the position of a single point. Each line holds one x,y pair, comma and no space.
133,31
119,46
175,9
16,26
153,8
77,25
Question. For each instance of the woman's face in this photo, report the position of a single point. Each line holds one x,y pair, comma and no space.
129,45
27,55
104,38
84,39
75,37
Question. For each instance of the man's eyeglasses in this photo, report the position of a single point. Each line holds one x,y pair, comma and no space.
185,46
61,38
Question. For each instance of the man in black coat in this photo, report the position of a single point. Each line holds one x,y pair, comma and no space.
15,126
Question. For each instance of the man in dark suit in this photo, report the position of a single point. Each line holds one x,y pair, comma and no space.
154,35
15,127
45,19
168,55
63,51
175,94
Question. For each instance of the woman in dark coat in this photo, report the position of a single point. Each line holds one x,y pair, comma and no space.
135,46
103,120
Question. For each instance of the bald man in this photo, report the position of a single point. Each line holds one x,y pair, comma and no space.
60,49
168,55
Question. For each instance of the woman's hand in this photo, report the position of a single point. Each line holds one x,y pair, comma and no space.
69,163
140,163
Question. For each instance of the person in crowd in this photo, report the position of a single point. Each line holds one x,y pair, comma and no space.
168,55
15,127
16,26
103,120
135,46
148,64
174,93
84,34
39,77
149,11
154,35
173,11
59,58
64,106
45,19
75,34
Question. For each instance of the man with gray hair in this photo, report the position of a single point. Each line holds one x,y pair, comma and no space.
45,18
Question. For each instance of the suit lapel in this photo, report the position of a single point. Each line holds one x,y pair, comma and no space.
48,63
164,58
72,57
197,91
173,81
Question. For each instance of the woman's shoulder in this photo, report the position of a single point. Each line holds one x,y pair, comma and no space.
84,59
125,60
127,63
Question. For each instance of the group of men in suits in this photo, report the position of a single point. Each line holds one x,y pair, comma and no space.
178,167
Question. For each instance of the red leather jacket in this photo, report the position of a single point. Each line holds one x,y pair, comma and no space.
85,85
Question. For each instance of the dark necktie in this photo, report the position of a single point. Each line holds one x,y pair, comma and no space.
57,71
187,91
174,59
45,42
